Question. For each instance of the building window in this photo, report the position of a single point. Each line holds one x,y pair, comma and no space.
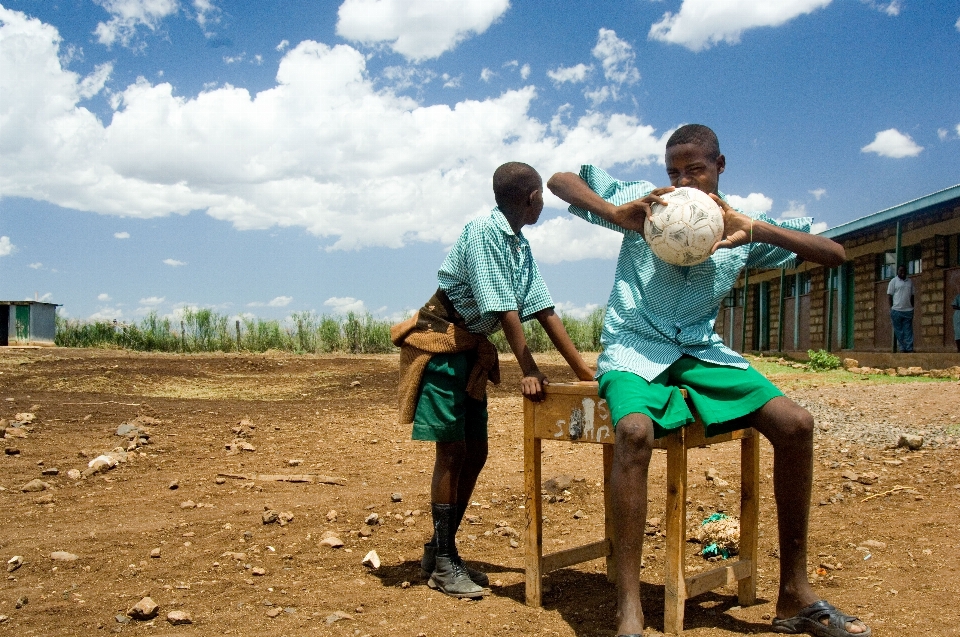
911,259
947,251
790,286
731,300
803,283
887,265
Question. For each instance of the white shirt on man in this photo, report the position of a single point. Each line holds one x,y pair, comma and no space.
902,291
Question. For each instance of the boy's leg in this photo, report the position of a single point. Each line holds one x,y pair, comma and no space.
449,575
446,415
789,428
732,399
634,403
628,482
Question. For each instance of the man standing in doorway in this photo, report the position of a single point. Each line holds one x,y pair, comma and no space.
900,292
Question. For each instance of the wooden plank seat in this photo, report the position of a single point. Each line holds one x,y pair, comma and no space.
574,412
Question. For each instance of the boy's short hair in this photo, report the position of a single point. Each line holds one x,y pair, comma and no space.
697,134
512,184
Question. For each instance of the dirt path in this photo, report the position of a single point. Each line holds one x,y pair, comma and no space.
336,416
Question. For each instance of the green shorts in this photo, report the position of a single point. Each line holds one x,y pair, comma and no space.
719,393
445,413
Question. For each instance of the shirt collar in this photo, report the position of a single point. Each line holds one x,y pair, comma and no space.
501,222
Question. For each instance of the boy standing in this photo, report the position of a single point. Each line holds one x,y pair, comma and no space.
489,280
658,336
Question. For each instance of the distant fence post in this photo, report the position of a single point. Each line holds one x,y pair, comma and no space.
238,335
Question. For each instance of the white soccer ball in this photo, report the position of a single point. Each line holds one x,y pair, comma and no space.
683,231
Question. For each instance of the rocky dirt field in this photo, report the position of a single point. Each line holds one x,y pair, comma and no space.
194,517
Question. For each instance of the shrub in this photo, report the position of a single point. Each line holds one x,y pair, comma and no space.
822,360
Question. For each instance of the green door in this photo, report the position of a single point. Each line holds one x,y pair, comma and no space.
23,323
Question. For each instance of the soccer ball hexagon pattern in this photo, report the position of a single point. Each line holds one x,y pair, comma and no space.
683,231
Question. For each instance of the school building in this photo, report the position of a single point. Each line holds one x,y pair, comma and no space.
846,309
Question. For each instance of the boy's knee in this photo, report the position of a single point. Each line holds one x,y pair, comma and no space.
634,435
451,454
795,425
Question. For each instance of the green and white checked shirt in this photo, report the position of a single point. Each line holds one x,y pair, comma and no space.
657,311
491,270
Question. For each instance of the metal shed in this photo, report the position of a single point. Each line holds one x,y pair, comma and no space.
27,323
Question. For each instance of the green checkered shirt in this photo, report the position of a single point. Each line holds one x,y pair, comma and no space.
658,312
491,270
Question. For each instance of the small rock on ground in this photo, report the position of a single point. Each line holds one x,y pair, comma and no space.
143,610
179,617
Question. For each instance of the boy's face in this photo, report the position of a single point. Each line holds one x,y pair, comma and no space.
690,165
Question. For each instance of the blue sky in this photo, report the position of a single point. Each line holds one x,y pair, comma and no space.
270,158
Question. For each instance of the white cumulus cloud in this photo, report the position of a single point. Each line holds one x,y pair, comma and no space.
6,247
524,71
417,29
817,227
617,58
754,202
571,239
818,193
795,210
280,301
573,310
891,8
103,297
94,83
327,148
573,74
893,143
35,266
206,13
174,263
486,74
121,235
107,314
128,15
283,45
345,304
152,300
699,24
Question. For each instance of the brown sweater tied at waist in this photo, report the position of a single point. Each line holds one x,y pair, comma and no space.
437,328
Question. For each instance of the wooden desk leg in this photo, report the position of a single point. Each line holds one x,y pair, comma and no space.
675,590
749,515
533,535
608,510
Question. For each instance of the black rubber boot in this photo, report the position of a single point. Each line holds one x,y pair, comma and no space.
450,578
429,559
449,575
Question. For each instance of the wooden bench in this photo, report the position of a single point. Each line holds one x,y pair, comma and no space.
574,412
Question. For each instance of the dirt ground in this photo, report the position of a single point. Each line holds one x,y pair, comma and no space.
336,416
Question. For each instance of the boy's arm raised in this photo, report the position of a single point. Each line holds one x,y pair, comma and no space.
554,328
738,228
630,216
533,380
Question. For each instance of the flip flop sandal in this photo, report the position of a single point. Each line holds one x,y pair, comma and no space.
808,620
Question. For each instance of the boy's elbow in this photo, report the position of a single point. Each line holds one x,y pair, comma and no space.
558,181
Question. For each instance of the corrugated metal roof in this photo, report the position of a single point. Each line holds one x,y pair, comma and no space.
933,200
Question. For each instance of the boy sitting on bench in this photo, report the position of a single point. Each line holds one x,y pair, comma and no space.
658,336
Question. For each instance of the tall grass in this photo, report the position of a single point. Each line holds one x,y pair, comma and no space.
204,330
